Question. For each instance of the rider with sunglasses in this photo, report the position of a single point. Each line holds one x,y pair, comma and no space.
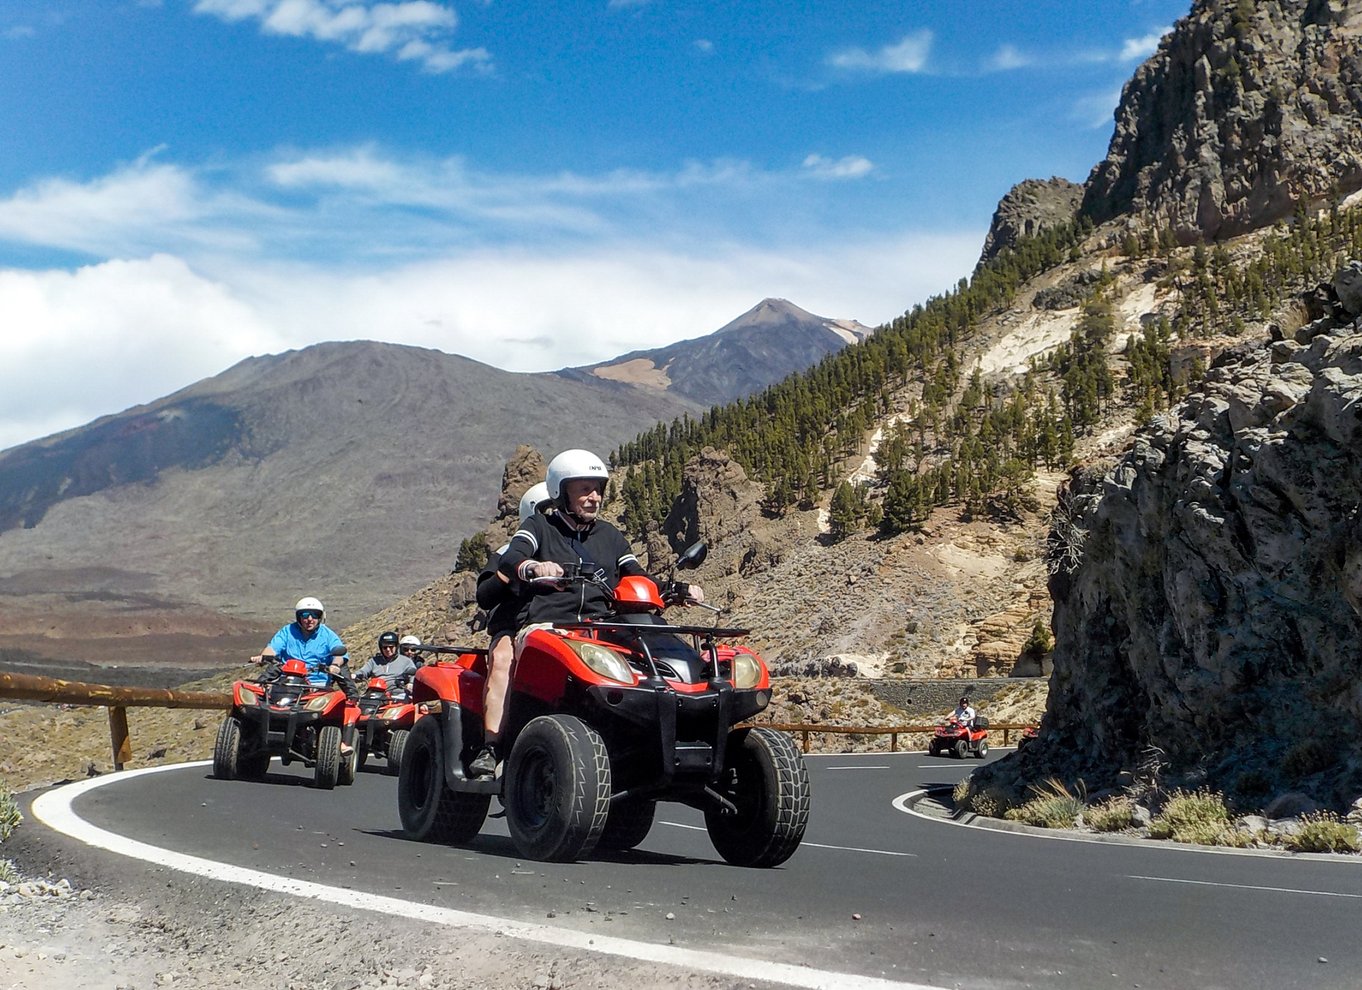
308,639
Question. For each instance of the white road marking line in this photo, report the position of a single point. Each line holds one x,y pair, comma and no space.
1246,886
872,767
816,845
54,810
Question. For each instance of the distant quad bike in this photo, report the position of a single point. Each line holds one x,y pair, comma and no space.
606,719
1028,736
284,715
961,740
386,716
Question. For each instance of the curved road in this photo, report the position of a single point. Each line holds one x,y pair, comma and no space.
876,896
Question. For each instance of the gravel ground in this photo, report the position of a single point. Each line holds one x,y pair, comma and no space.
86,920
53,935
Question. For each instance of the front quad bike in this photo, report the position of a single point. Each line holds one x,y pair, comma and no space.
961,740
386,717
607,718
284,715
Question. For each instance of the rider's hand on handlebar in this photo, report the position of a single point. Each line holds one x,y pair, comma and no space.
545,569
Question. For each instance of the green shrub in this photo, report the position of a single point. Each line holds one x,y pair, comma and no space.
1324,833
1309,756
1253,783
1052,807
991,802
1198,817
1111,815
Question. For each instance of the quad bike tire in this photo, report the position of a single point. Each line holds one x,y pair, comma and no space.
349,767
328,767
961,749
227,750
628,824
362,755
765,777
429,810
982,751
933,750
397,742
557,789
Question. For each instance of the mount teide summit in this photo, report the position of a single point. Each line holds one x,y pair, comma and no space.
350,470
769,341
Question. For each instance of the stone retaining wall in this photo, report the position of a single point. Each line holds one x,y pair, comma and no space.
931,697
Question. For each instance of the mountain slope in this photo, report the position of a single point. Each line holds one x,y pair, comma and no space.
348,469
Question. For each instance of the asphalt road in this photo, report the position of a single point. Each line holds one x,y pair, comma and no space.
873,893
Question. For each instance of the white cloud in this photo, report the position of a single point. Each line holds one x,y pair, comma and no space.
1138,49
97,340
850,167
1009,57
105,337
410,30
908,55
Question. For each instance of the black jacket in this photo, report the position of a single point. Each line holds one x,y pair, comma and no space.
599,548
501,600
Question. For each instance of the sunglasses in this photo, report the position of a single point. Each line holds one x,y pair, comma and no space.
309,615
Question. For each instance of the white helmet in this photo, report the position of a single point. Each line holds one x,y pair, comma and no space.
308,604
409,641
571,465
529,502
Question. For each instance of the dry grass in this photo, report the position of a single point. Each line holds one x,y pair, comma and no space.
1324,832
1054,806
1197,817
1112,815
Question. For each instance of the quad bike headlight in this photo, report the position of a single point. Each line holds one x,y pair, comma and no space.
605,662
746,671
247,698
318,703
390,714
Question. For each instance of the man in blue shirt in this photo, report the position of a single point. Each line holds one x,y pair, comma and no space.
308,640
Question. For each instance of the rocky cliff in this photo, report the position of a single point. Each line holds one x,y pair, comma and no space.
1030,207
1247,109
1208,589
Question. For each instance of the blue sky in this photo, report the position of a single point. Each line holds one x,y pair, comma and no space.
189,182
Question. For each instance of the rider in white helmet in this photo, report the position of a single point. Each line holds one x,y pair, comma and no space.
308,639
410,646
500,599
573,535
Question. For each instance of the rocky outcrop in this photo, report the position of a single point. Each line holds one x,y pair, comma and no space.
1028,208
1208,589
1245,111
524,470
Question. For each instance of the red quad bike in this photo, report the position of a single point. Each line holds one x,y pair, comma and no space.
961,740
285,715
606,719
386,716
1028,736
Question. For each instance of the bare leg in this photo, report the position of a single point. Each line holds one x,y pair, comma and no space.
494,689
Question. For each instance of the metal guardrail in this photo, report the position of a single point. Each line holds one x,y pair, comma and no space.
118,700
